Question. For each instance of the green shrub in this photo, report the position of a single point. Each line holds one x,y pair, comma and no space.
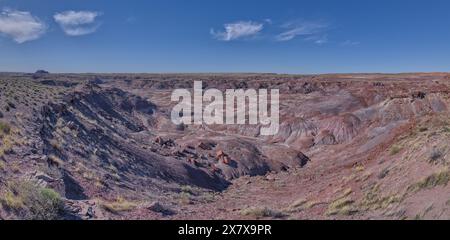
4,128
35,202
395,150
47,204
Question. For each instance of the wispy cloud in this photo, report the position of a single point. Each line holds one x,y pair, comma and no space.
238,30
314,31
21,26
77,23
131,19
318,39
349,43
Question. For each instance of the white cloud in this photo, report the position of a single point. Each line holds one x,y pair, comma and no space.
21,26
77,23
309,30
350,43
238,30
318,39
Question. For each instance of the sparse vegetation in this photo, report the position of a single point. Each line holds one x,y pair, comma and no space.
187,189
55,160
312,204
395,150
185,198
440,178
35,202
435,155
446,129
383,173
423,129
373,199
6,145
5,128
2,165
258,212
56,144
342,205
119,205
297,205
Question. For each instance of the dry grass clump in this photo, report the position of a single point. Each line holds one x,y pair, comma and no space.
373,199
262,212
119,205
5,129
342,205
441,178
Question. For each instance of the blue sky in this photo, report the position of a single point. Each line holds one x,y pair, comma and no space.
225,36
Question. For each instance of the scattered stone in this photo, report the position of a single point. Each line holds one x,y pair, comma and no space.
156,207
180,127
303,159
226,160
159,208
44,177
90,212
204,146
419,95
271,178
378,84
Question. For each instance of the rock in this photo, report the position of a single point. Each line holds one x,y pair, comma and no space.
226,160
159,141
180,127
419,95
39,178
325,137
35,157
303,159
378,84
220,154
204,146
155,207
271,177
159,208
44,177
90,212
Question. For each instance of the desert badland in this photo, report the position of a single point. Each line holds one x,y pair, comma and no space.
102,146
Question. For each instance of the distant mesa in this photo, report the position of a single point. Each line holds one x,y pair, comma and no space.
39,74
